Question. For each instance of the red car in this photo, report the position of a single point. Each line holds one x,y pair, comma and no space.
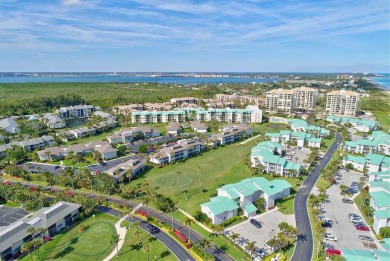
362,228
332,252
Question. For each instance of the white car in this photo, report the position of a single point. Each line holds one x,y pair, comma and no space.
330,237
325,219
355,219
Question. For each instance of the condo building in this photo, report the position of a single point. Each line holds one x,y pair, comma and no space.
288,100
305,98
280,100
342,103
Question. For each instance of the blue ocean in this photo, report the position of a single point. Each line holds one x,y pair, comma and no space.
384,80
124,78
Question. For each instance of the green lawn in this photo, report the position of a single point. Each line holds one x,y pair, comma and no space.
287,207
323,183
131,251
92,244
9,204
328,143
270,127
222,166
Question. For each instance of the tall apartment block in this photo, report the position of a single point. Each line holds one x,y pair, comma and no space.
305,98
342,103
280,100
287,100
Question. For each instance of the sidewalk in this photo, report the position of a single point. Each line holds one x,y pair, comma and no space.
196,221
121,231
250,139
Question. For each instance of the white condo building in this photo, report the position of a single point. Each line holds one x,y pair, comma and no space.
342,103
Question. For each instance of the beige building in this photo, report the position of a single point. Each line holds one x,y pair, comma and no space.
179,101
280,100
305,98
342,103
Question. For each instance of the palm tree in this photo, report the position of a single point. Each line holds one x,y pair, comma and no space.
173,187
217,230
146,200
147,250
283,226
233,237
198,168
42,231
115,238
188,221
27,247
173,208
178,174
204,243
137,234
250,247
31,231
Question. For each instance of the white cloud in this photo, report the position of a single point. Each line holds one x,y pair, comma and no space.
71,2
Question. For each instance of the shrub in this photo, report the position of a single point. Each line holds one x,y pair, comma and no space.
384,232
349,166
201,217
142,213
181,236
231,221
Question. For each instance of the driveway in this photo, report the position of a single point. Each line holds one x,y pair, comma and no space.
304,246
269,221
338,212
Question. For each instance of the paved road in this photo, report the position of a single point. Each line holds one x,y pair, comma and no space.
304,247
218,253
174,246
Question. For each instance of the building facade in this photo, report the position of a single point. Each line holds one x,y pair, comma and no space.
342,103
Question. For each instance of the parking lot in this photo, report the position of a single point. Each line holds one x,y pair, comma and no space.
34,167
337,211
297,154
10,215
269,221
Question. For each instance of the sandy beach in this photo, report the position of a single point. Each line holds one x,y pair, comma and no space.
378,86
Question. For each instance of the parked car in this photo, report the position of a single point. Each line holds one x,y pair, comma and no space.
350,215
332,252
324,219
255,223
153,229
362,228
330,237
326,224
358,224
365,238
347,200
355,219
260,252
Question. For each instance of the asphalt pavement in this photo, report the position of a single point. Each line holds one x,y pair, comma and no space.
304,247
169,242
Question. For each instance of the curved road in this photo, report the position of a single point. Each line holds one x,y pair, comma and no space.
169,242
218,253
304,247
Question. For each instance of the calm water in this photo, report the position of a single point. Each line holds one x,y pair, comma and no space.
123,78
384,81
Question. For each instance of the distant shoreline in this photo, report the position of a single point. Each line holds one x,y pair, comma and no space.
378,86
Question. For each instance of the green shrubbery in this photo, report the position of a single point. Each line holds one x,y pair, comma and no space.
384,232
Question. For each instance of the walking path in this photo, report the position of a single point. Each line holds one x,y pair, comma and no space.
250,139
121,231
196,221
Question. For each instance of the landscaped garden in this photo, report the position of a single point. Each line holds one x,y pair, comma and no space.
90,239
149,245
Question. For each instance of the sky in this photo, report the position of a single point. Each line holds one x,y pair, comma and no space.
194,36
